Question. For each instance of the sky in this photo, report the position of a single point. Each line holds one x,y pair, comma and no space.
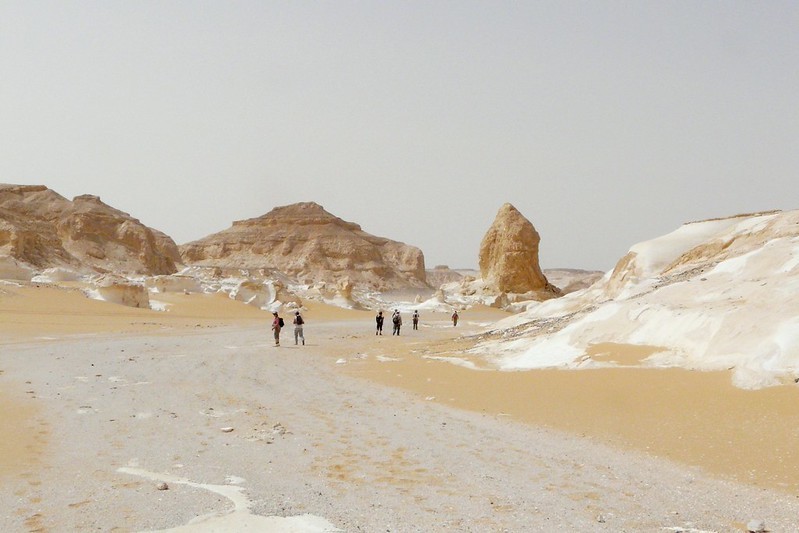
605,123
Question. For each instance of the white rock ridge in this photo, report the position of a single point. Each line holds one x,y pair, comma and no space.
712,295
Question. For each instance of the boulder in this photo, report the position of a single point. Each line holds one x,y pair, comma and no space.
121,291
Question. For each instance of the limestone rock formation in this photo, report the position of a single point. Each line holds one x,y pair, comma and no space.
264,294
442,274
308,243
43,229
569,280
715,295
174,283
118,290
509,254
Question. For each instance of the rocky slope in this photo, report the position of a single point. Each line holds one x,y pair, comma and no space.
42,229
712,295
310,244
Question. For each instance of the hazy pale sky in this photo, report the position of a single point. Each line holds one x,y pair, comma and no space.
605,122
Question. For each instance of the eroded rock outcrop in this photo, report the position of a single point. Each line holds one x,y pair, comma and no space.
43,229
442,274
310,244
118,290
715,295
265,294
509,255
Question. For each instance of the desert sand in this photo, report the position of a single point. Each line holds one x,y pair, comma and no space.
102,404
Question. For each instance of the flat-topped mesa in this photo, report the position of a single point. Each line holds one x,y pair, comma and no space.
310,244
303,213
43,229
509,255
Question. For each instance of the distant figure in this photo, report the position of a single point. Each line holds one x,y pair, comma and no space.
455,318
415,320
298,322
397,320
379,319
277,323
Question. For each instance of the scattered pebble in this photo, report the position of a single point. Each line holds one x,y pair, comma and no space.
227,429
162,486
756,526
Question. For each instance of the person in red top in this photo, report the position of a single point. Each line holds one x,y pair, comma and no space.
276,328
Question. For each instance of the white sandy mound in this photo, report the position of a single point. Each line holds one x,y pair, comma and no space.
715,295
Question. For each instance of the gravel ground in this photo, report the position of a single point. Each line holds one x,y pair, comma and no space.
307,438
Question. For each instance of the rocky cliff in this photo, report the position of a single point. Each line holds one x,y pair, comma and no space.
308,243
41,228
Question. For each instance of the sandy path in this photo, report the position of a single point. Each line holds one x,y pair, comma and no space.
310,438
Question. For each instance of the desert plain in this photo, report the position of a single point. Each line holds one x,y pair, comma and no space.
124,419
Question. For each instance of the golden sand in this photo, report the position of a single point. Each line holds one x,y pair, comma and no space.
696,418
37,311
24,437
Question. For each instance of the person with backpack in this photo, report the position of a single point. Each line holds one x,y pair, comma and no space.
455,318
415,320
397,320
379,320
298,322
277,324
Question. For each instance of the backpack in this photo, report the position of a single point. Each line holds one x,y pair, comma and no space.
299,321
280,321
396,319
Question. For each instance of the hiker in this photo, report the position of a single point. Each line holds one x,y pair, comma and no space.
298,322
455,318
277,323
397,320
379,319
415,319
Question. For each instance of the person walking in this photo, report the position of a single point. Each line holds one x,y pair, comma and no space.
455,318
298,322
415,320
277,324
397,320
379,320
